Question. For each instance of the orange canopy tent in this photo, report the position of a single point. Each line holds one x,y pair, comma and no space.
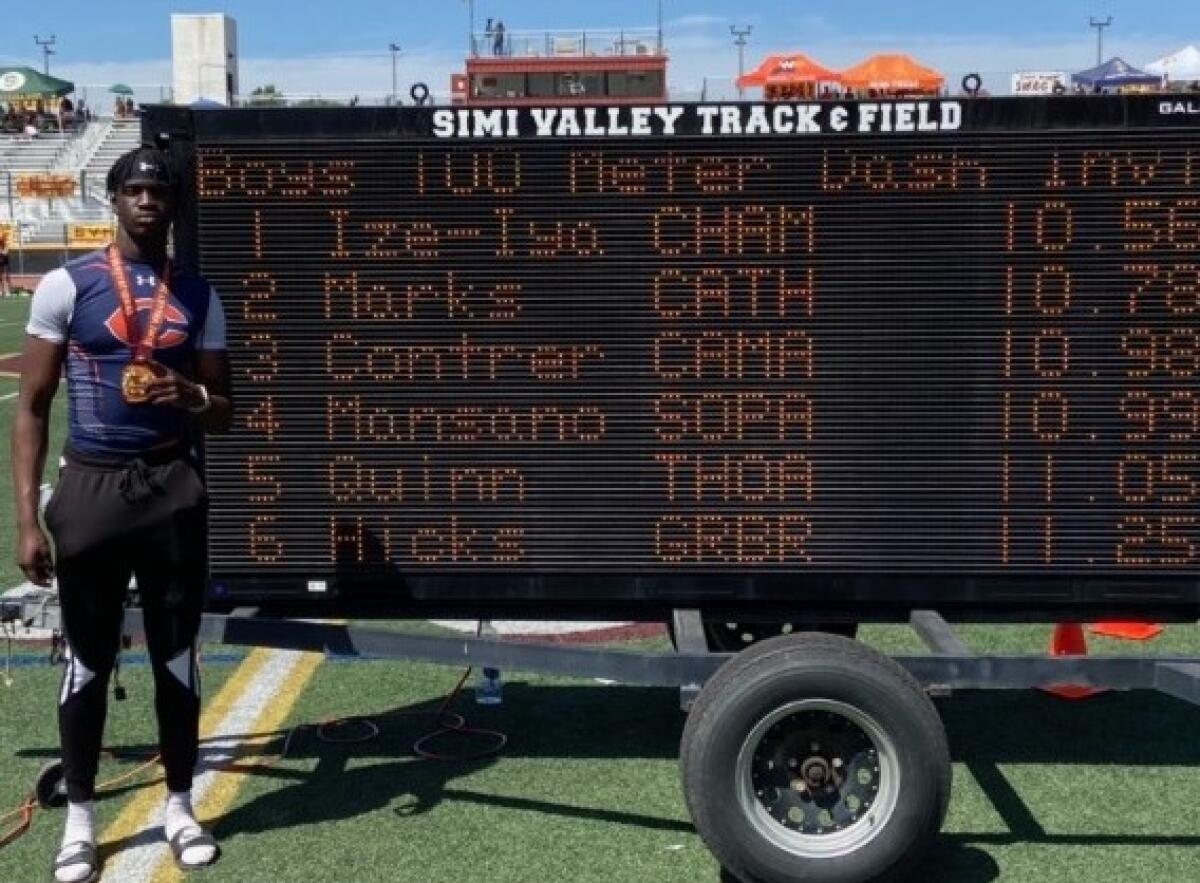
892,73
786,75
786,70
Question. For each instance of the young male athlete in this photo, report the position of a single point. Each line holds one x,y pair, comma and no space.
143,342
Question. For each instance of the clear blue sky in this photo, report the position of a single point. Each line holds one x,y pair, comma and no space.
342,43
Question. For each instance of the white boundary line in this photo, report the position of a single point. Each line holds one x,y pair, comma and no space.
138,861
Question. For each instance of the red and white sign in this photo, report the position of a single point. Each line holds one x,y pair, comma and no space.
1038,82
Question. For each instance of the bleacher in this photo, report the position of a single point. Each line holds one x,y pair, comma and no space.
19,153
122,135
51,229
90,151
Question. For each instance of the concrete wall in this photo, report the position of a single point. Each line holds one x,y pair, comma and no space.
204,57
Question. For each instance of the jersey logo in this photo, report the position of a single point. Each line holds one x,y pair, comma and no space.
169,335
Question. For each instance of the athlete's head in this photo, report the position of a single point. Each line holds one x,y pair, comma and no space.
141,186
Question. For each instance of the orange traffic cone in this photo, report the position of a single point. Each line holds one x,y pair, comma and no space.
1069,640
1127,631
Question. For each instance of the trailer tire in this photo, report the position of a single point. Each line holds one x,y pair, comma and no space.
763,791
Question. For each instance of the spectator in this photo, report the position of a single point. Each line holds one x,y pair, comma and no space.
65,114
119,107
498,39
5,277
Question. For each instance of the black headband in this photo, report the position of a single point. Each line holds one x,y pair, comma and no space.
146,166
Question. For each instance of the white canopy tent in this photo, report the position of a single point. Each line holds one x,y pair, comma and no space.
1180,66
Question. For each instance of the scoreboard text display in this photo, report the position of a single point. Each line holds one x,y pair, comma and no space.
743,351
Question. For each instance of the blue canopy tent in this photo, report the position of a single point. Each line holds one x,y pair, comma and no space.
1114,74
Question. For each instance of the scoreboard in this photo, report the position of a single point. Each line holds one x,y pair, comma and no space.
939,351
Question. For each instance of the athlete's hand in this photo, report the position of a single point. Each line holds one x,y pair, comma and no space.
171,388
33,554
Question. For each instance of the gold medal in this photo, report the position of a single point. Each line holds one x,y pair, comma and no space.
139,374
135,382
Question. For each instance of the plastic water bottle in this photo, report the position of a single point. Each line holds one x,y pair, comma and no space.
489,689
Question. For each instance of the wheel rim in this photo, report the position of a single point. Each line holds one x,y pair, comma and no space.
818,778
732,636
728,636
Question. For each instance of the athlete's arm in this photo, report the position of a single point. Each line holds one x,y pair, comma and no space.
210,368
41,364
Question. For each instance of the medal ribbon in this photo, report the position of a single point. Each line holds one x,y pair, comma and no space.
144,349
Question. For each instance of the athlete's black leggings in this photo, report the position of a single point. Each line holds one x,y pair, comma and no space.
111,519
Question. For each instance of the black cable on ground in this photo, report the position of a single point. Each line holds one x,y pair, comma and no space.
447,723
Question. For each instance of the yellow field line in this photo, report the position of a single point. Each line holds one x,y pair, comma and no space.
224,790
137,814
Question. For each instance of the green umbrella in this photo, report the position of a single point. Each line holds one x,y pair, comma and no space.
120,89
25,82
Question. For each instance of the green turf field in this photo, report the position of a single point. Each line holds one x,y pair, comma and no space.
13,313
588,787
29,738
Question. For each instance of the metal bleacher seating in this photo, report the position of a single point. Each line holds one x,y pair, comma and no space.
122,135
20,153
86,156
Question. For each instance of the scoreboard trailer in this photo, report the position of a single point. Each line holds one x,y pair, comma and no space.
855,357
806,363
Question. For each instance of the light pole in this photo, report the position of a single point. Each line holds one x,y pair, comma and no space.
660,29
393,48
46,51
1100,24
739,38
471,28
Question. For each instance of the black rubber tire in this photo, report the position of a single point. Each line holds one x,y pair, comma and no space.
772,674
50,788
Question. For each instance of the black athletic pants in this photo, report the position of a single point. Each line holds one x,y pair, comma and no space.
111,518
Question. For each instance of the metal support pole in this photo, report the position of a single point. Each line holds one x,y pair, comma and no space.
471,29
739,39
393,48
46,51
1100,24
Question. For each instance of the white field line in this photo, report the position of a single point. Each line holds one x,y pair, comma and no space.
136,863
